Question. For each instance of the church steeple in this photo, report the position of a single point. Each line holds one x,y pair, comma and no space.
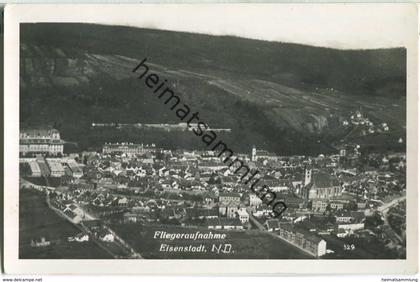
308,177
254,154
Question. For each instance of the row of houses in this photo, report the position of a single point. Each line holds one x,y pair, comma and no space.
224,223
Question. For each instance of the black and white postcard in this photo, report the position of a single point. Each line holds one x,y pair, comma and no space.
218,138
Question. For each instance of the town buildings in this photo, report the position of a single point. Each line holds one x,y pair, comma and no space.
144,185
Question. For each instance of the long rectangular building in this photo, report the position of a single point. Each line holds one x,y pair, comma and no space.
127,148
303,239
35,169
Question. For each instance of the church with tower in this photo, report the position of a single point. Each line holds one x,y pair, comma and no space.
319,185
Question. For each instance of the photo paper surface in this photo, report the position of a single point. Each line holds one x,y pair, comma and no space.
160,137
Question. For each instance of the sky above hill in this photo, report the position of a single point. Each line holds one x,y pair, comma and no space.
343,26
363,26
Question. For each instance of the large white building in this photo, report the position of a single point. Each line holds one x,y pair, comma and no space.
40,141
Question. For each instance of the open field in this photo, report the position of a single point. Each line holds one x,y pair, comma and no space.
371,249
245,245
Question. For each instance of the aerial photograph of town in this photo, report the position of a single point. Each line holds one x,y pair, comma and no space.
139,143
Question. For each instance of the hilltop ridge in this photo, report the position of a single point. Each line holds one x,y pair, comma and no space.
286,98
